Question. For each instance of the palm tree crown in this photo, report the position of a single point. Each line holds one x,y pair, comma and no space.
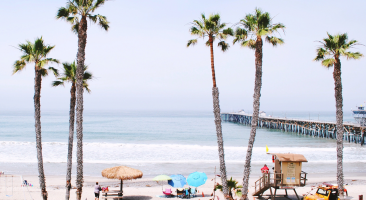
211,27
335,46
82,8
35,52
255,26
69,75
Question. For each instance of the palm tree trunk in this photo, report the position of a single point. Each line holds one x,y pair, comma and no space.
71,140
339,116
256,103
79,108
216,108
37,117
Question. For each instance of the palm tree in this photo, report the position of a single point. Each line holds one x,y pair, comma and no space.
329,53
77,12
255,26
233,187
214,29
37,53
69,75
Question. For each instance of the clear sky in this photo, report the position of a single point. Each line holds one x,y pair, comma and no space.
143,63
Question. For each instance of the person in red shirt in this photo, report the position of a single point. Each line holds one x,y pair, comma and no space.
265,169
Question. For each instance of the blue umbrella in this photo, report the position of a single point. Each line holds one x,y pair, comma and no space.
197,179
178,181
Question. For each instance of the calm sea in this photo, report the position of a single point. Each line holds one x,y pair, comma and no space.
162,142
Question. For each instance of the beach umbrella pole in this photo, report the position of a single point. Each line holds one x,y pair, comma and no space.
121,187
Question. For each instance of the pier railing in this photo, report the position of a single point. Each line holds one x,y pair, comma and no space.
352,132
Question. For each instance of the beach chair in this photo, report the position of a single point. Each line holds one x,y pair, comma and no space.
167,192
186,194
180,193
193,192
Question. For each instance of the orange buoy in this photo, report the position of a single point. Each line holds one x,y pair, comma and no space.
203,195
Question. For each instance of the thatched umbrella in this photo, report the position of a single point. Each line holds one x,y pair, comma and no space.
122,173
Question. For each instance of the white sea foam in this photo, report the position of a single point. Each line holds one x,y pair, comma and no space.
105,153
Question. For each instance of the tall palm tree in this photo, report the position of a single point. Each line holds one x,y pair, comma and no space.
214,29
249,33
37,53
69,75
77,12
329,53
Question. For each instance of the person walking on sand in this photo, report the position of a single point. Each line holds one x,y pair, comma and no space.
97,189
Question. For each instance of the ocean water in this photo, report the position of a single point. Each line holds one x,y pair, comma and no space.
162,142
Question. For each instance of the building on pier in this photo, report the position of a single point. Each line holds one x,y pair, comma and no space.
360,115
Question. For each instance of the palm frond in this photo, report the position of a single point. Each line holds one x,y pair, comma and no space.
328,62
249,43
191,42
93,18
87,76
97,4
228,31
38,45
240,35
54,70
208,43
224,46
57,83
73,20
19,65
27,58
86,87
46,50
274,40
320,54
75,27
103,22
353,55
43,72
63,13
195,31
278,26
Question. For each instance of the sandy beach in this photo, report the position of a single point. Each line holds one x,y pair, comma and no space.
145,188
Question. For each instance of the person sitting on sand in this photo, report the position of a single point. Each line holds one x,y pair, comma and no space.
265,169
97,189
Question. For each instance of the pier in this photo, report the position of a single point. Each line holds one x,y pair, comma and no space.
352,132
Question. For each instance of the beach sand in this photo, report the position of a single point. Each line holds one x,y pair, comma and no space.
145,188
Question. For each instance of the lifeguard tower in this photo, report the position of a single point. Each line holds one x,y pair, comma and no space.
287,174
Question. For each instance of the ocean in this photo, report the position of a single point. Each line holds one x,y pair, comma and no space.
163,142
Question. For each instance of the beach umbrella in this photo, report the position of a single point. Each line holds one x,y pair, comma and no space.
162,178
122,173
197,179
178,181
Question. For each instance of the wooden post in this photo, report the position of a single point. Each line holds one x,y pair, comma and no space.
214,195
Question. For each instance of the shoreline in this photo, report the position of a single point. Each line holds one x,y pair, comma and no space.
145,188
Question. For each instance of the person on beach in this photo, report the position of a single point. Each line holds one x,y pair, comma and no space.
265,169
97,189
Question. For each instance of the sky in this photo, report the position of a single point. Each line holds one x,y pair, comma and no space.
142,62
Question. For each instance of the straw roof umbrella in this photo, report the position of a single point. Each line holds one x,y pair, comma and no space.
122,173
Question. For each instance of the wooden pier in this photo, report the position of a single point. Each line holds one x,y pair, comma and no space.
352,132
